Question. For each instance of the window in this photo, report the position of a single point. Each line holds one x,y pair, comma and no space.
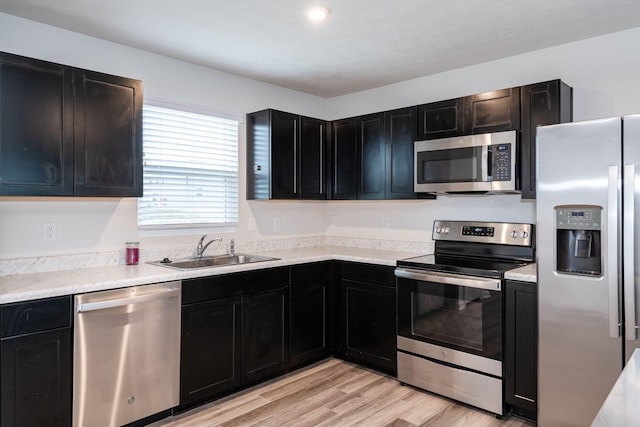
190,169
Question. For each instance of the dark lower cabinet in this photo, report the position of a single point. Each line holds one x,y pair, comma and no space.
368,315
210,349
234,332
309,310
264,335
521,348
36,363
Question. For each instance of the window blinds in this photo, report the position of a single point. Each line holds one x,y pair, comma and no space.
190,169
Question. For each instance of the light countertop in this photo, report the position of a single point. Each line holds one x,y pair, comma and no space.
24,287
622,406
528,273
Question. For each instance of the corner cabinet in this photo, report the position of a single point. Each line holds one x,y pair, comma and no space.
36,363
367,315
521,349
286,156
309,312
68,132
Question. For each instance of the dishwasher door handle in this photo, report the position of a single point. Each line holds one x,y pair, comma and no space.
119,302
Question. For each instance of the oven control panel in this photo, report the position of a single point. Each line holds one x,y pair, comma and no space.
484,232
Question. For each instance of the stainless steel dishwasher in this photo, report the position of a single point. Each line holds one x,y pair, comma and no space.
126,363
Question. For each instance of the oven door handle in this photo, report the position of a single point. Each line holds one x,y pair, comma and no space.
450,279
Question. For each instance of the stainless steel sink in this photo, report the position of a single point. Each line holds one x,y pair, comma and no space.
212,261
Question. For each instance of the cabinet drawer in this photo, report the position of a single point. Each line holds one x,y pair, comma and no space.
309,272
35,316
368,273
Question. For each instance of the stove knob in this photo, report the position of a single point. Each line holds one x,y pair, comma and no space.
524,234
438,230
446,230
513,234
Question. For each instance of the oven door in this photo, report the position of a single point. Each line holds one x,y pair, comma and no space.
461,314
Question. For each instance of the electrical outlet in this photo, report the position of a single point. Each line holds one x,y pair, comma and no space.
385,222
333,220
276,223
50,231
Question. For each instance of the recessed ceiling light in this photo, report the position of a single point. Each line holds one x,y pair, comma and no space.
318,13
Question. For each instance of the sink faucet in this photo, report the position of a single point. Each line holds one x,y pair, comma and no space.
200,248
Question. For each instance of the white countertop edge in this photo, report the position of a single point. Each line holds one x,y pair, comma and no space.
32,286
528,273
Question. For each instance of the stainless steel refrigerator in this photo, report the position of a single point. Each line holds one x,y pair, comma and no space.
587,253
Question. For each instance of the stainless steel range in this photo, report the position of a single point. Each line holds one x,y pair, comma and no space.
450,310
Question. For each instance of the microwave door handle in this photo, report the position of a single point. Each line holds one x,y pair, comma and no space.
486,163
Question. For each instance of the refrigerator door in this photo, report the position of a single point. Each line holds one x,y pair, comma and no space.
580,348
631,231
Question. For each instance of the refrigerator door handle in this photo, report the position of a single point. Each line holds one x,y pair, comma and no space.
628,250
612,252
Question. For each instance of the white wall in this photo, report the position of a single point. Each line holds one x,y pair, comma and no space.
601,70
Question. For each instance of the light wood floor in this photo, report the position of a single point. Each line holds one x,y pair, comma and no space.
336,393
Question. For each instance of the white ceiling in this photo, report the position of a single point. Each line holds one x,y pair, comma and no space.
363,44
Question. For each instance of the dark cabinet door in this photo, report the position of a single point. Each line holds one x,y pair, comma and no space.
210,349
494,111
344,150
107,135
35,379
441,119
366,331
400,133
312,169
308,304
371,156
521,349
543,103
284,156
36,127
264,351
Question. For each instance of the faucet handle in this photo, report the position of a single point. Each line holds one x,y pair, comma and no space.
202,239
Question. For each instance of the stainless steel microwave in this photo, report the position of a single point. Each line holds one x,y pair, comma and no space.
473,163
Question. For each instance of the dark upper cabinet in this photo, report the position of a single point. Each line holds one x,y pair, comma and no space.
400,133
441,119
371,156
286,156
543,103
521,347
36,127
66,131
494,111
312,173
344,159
384,155
107,135
36,363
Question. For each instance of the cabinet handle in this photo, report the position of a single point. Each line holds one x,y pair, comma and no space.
295,157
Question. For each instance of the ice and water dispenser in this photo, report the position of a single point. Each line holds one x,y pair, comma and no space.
578,244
